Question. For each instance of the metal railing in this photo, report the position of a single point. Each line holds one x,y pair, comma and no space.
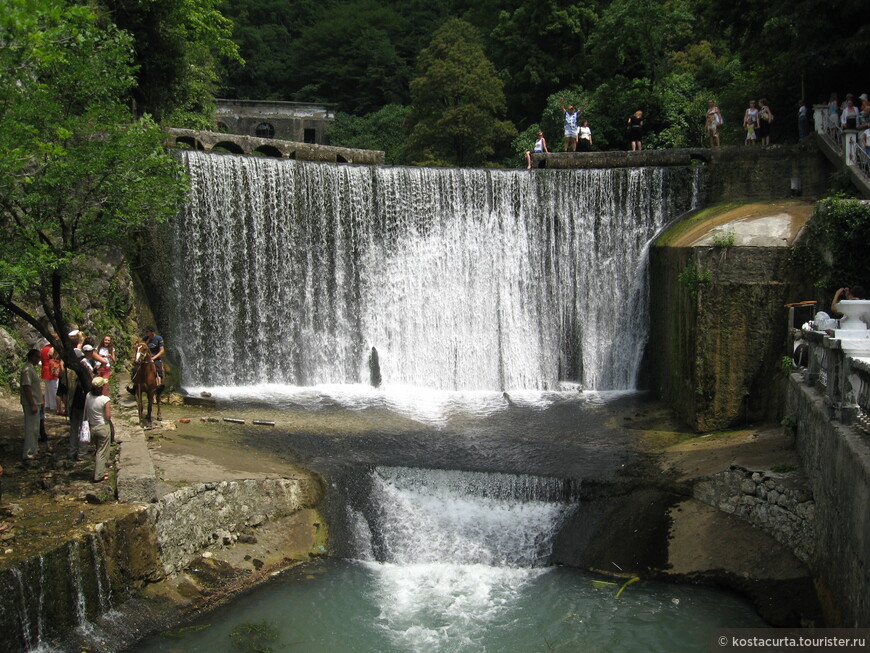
844,142
861,160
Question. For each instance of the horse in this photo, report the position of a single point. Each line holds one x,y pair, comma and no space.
145,380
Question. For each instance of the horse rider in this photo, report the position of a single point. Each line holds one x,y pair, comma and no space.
156,347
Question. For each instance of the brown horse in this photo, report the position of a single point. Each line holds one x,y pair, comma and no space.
145,380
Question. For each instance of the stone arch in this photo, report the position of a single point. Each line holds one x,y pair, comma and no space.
269,150
340,159
190,142
700,157
229,146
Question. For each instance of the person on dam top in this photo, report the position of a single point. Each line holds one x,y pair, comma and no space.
540,146
855,292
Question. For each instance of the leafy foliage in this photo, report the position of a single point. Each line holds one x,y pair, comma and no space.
179,47
457,101
379,130
78,174
837,237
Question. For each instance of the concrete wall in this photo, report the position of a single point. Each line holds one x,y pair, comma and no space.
729,172
836,460
715,352
290,120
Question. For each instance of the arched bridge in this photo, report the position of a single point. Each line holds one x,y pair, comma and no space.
253,146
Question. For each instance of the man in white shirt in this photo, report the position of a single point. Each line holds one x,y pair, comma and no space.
31,402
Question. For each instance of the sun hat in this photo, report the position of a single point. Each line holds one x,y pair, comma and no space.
88,348
99,382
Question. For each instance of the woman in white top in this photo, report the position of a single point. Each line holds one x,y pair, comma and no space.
540,146
98,412
585,141
750,123
105,354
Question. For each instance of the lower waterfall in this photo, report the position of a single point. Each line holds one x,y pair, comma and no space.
448,549
290,272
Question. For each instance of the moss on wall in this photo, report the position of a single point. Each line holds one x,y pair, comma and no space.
716,345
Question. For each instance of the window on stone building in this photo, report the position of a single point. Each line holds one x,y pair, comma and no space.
265,130
310,136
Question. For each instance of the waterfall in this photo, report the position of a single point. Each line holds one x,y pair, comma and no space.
415,516
55,597
290,272
449,550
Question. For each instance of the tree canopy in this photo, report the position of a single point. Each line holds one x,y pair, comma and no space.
79,174
667,57
457,100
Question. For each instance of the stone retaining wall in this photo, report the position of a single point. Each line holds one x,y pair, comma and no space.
779,504
836,459
201,515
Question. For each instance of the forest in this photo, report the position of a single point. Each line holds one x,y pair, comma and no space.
455,82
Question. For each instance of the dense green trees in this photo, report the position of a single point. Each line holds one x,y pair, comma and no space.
179,48
667,57
79,174
457,101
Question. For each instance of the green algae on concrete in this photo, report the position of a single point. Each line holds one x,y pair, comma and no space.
716,350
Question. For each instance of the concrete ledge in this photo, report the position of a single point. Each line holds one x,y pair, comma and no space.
137,481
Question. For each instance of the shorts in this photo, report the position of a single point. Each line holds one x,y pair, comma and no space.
572,132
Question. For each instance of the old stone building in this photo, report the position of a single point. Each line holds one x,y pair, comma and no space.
289,121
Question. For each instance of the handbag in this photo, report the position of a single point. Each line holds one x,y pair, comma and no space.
85,431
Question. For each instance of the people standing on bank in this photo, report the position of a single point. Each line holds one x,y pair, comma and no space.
157,348
58,372
635,130
765,117
105,354
78,393
31,403
571,127
750,123
713,122
540,146
49,394
98,412
585,140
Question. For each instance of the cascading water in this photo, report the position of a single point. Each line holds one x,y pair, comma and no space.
449,550
290,272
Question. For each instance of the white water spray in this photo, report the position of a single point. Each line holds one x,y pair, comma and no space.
290,272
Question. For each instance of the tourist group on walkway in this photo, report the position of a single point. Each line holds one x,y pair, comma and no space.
82,395
756,124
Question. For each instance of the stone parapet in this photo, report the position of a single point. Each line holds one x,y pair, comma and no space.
273,147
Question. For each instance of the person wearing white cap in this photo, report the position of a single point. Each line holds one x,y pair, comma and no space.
98,411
